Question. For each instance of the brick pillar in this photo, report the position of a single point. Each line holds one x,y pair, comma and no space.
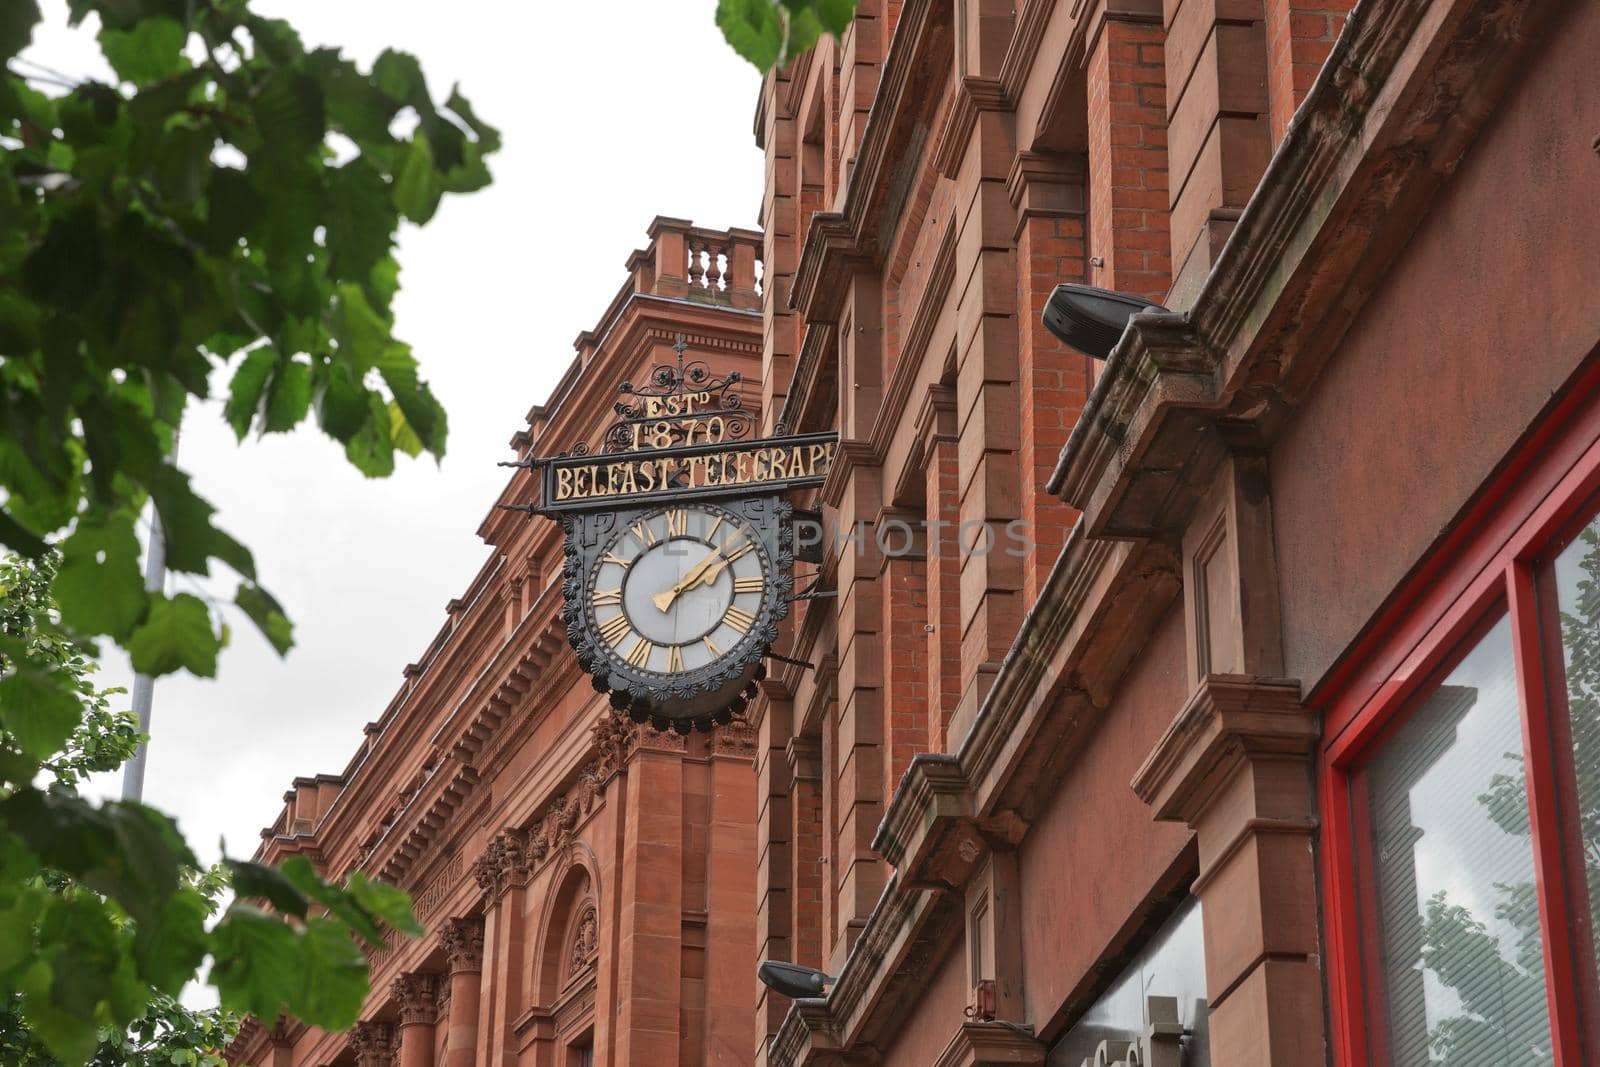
804,756
463,949
1300,34
907,675
650,933
416,996
774,850
941,471
503,873
1128,202
854,763
732,904
778,134
860,60
1218,139
988,401
1048,192
1236,766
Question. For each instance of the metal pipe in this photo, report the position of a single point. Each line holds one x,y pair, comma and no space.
155,581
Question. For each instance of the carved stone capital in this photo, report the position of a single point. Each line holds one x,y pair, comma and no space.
736,738
1230,720
990,1044
416,994
463,944
373,1044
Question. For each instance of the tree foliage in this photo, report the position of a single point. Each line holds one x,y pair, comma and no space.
223,212
770,33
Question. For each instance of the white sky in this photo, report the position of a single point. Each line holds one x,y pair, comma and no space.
611,114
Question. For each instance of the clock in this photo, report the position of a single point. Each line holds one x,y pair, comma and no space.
676,605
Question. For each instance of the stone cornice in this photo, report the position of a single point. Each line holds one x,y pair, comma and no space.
1230,718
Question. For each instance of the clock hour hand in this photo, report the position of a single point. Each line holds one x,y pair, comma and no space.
663,600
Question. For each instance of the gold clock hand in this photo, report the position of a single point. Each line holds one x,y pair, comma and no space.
663,600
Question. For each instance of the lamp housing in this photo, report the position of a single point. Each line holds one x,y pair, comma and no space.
1090,319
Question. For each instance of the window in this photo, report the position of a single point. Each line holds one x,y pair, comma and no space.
1460,784
1172,964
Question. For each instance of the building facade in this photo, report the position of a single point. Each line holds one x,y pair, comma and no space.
1276,749
1273,743
588,885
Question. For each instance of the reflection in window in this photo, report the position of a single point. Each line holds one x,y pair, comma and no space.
1578,598
1173,964
1458,949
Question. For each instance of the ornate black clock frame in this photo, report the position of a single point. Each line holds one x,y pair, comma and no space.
678,443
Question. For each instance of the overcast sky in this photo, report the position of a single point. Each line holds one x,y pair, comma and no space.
612,114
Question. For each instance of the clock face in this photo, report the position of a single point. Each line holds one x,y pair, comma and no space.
678,589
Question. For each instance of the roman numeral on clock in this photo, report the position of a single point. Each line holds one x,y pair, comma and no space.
642,531
735,547
674,659
603,597
677,523
753,584
615,629
612,557
639,654
739,619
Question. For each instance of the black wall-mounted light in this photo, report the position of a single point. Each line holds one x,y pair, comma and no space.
1089,319
793,980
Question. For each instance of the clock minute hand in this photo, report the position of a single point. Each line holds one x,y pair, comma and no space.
663,600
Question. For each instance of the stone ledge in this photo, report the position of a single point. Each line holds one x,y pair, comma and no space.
1229,719
991,1045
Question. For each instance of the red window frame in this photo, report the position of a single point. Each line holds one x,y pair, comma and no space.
1494,561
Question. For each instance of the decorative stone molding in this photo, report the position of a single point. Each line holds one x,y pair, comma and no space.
614,737
463,944
373,1044
736,738
441,998
505,864
585,939
1230,719
991,1044
416,994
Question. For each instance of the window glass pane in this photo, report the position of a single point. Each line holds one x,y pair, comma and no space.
1578,598
1458,952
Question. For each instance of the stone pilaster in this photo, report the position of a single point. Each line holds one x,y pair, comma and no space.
1236,766
503,873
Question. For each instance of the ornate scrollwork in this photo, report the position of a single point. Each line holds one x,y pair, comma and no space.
685,404
373,1044
416,995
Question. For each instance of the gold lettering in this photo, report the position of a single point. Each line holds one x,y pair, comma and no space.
778,463
819,454
563,483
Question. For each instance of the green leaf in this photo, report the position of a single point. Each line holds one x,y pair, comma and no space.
257,880
401,433
342,407
249,382
370,449
753,28
149,52
416,187
256,963
289,398
801,30
488,137
17,19
40,709
99,586
361,220
387,902
268,616
835,15
177,635
334,973
289,114
191,539
363,335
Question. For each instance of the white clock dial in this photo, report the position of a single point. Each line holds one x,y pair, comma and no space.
678,589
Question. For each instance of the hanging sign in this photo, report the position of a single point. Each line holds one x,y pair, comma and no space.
679,545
